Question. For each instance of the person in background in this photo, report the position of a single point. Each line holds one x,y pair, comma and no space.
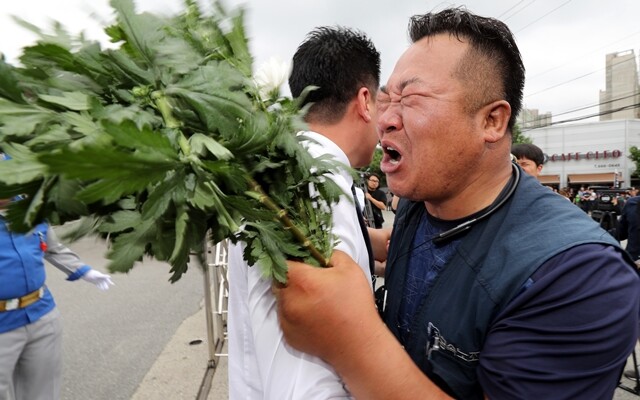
628,225
530,158
564,192
345,67
591,197
389,199
622,198
579,198
628,228
618,200
378,200
487,296
30,326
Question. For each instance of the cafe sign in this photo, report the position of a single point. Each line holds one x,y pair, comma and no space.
589,155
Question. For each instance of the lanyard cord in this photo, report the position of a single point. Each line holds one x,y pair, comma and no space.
450,234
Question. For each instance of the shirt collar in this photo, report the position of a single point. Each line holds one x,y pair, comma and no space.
332,149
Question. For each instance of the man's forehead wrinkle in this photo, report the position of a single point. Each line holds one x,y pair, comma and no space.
408,82
397,89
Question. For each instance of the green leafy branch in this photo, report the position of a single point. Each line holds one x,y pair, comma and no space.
161,144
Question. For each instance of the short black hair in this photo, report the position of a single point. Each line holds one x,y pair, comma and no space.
338,61
528,151
490,39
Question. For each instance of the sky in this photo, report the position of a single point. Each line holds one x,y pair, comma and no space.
563,42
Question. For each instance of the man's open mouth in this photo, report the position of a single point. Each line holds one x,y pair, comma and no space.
394,155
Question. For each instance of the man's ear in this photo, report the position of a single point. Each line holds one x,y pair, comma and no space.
496,120
365,101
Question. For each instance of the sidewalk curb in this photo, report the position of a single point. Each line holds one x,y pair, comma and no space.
179,368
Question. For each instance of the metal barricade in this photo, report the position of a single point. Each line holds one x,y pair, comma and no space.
216,295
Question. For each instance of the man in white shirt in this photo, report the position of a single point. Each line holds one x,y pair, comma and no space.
345,66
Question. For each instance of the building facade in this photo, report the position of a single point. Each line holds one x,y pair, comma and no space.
621,98
588,154
530,118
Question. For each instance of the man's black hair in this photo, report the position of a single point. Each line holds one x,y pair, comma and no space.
338,61
489,38
528,151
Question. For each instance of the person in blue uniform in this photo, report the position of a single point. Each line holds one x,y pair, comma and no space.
30,327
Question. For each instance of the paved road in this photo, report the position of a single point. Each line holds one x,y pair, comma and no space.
111,339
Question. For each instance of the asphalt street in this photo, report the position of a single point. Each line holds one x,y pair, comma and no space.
112,338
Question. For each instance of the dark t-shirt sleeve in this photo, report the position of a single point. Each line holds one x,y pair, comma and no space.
569,333
377,213
380,196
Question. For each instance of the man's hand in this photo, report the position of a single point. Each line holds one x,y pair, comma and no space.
380,242
102,281
329,312
321,309
379,268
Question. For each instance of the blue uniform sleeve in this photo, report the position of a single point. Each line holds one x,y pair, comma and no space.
569,333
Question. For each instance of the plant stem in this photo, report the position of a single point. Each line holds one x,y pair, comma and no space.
161,102
164,107
263,198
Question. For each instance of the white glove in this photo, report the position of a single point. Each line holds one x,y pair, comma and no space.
102,281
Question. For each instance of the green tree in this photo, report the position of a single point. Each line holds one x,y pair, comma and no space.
634,155
518,137
374,166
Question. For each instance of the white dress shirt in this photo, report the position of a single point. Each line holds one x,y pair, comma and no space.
360,196
261,364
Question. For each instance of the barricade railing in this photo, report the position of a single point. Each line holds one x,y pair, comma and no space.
216,295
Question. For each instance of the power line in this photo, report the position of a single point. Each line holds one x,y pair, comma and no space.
511,8
599,114
590,106
563,83
575,79
543,117
543,16
534,21
519,11
597,104
581,56
521,6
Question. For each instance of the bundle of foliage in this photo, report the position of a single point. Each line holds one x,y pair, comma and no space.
161,143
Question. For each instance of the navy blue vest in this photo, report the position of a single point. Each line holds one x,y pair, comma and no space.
489,267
